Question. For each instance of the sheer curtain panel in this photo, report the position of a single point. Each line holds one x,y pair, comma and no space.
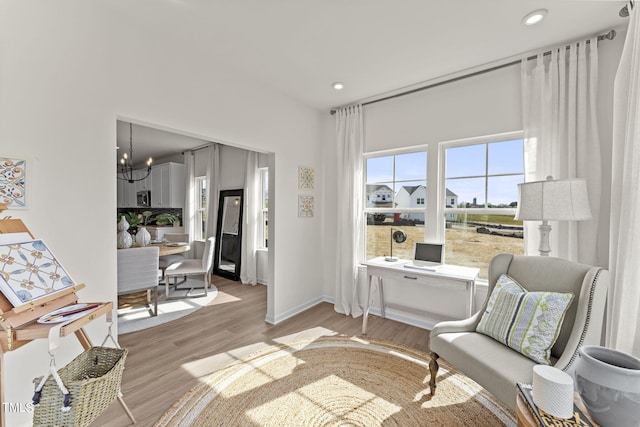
623,325
188,215
350,202
561,139
248,260
213,186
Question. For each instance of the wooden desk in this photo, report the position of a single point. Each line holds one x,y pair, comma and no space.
445,276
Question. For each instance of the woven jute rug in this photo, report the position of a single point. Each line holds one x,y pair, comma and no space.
336,381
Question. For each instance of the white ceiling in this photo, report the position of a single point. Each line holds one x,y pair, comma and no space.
300,47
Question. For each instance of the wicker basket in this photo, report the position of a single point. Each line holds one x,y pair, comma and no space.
93,380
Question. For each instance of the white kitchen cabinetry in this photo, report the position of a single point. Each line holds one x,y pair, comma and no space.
167,186
126,194
143,184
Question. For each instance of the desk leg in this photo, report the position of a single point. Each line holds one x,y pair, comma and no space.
381,293
471,289
365,315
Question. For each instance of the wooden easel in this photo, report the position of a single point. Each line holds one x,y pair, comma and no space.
19,326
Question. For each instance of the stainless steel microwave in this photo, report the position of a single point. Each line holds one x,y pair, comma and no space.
144,198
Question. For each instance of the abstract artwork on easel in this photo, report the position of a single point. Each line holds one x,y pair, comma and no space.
28,270
12,182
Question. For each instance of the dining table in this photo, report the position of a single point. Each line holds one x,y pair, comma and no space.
172,248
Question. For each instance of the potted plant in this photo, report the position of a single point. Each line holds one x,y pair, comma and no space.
166,218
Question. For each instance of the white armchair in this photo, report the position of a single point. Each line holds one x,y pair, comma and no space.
138,271
497,367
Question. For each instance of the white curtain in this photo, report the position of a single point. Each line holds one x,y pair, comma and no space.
561,139
188,213
350,208
213,189
248,260
623,325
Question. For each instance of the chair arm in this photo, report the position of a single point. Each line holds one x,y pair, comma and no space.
451,326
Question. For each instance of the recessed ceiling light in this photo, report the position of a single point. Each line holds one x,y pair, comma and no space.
337,85
534,17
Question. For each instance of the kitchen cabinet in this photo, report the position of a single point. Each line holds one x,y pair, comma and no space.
145,183
126,194
167,186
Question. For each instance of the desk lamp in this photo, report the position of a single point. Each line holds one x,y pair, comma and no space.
552,200
397,236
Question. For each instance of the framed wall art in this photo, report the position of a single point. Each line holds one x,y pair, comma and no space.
13,183
306,177
305,206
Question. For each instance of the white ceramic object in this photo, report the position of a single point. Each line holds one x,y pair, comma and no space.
143,238
124,238
553,391
608,382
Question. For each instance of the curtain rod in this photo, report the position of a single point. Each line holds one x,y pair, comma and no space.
200,147
608,36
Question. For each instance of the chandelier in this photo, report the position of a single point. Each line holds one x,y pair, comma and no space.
126,163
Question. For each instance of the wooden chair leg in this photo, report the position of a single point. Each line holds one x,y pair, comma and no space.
433,370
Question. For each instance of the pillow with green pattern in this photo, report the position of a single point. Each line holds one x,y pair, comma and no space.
528,322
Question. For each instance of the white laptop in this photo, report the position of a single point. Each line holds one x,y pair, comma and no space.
427,256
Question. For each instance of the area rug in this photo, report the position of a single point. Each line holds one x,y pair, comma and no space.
138,318
336,381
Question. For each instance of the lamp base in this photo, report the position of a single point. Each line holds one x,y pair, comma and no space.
391,258
544,247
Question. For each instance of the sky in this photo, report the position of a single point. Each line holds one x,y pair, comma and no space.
468,170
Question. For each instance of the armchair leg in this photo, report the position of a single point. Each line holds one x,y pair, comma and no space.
433,370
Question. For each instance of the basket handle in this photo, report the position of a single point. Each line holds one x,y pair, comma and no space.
54,341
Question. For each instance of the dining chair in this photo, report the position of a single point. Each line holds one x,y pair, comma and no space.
189,267
138,271
166,260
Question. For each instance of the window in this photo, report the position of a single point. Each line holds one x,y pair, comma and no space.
264,212
481,182
396,188
201,207
476,199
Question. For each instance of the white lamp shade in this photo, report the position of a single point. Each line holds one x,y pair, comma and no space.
553,200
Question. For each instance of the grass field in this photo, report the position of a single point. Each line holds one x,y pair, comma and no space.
463,245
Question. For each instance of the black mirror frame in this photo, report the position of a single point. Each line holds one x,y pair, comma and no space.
235,275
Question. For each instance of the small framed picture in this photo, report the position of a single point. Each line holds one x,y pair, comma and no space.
305,206
13,183
306,176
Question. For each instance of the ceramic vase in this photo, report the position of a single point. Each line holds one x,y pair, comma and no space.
124,238
143,238
608,382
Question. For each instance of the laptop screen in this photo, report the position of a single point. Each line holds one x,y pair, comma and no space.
430,252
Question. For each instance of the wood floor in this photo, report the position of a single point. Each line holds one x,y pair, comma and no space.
166,361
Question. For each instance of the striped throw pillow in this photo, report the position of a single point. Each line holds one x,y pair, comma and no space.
528,322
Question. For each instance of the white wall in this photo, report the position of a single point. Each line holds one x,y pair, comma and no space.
68,71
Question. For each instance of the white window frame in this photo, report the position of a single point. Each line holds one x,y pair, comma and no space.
387,153
264,211
199,211
435,201
508,136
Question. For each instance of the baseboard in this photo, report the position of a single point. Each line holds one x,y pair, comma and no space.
389,312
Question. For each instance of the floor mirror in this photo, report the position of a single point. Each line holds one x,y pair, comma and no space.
229,235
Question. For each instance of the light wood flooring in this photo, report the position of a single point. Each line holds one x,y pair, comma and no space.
166,361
